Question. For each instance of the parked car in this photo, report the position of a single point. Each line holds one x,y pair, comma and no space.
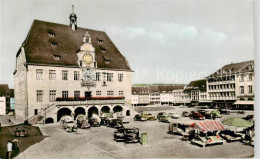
82,122
174,115
20,131
161,114
165,118
127,135
249,117
139,117
70,126
230,136
205,113
216,113
225,111
148,116
186,114
197,116
115,123
94,122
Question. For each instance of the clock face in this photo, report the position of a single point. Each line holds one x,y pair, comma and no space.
88,59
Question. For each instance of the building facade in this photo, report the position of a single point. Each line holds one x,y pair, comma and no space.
233,84
67,70
6,95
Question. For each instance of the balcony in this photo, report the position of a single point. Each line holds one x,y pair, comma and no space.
89,101
221,82
223,98
222,90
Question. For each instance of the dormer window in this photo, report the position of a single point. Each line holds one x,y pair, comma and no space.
107,59
103,50
51,33
54,45
100,41
56,57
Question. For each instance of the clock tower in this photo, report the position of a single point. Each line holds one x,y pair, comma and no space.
86,61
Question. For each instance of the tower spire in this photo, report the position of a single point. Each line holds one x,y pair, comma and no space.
73,19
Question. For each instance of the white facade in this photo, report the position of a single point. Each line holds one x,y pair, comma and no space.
135,99
179,97
2,106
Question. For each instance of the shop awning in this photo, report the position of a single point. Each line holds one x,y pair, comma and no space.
210,125
241,102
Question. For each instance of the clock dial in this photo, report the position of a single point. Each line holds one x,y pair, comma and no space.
88,59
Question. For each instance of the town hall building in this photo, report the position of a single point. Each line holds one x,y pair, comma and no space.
68,70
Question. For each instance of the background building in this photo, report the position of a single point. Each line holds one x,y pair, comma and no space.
233,84
68,70
6,95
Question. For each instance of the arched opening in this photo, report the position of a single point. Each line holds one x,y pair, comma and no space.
117,109
105,109
242,99
62,112
78,111
250,99
128,113
92,110
49,120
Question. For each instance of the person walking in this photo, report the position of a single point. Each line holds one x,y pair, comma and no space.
9,149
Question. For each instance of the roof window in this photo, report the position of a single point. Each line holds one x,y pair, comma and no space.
107,59
103,50
100,41
51,32
56,57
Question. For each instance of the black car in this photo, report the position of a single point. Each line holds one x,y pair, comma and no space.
127,135
249,117
205,113
161,114
104,121
115,123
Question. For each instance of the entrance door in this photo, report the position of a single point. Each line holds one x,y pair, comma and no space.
87,94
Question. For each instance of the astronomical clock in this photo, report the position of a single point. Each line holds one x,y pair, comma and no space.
86,60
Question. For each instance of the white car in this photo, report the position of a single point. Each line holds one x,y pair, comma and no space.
70,126
174,115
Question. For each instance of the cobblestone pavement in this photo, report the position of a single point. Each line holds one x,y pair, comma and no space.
98,142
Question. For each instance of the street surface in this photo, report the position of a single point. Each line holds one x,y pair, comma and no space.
98,142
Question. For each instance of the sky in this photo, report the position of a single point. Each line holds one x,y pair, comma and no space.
164,41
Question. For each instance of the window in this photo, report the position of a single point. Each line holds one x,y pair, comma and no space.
64,75
109,76
52,95
110,93
250,77
56,57
52,75
39,73
241,78
65,94
35,111
120,77
241,89
76,94
250,90
98,93
121,93
98,76
76,75
53,44
39,95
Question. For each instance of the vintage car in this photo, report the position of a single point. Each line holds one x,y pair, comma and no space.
70,126
230,136
186,114
82,122
65,118
174,115
249,117
148,116
165,118
225,111
197,116
205,113
115,123
180,127
216,113
139,117
161,114
94,122
127,135
20,131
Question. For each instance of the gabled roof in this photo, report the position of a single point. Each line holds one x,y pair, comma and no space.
234,68
39,49
197,85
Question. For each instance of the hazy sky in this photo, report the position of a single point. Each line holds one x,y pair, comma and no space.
164,41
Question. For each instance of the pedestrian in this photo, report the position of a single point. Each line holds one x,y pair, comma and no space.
9,149
214,117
